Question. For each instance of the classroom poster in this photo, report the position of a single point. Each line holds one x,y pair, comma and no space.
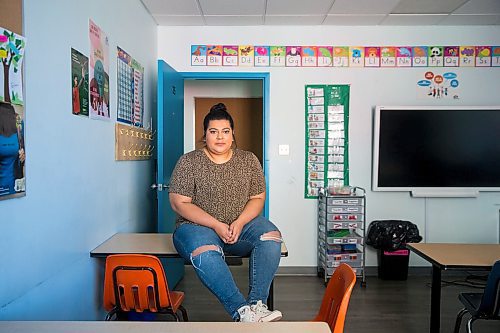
99,69
435,85
326,120
79,84
130,89
12,48
12,153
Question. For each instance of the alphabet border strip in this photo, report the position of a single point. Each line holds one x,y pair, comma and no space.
345,56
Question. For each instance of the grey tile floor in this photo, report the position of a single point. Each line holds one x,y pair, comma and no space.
381,306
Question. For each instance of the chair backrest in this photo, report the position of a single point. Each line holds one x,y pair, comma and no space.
490,303
135,282
336,299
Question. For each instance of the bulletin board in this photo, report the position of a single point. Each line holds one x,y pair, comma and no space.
327,137
11,15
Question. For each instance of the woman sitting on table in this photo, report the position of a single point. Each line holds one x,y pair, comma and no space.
218,193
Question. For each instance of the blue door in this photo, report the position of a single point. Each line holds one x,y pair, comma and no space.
170,146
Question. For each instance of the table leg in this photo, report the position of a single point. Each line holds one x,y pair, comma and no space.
270,298
436,299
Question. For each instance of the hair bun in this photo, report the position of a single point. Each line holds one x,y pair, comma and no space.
218,107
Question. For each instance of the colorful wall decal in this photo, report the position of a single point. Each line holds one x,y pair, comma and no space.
261,56
467,56
451,56
309,56
387,56
483,56
495,56
420,56
214,55
403,56
356,56
293,56
246,55
436,56
325,56
198,55
436,85
372,56
340,56
230,55
278,56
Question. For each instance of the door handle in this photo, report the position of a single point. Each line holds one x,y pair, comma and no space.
160,187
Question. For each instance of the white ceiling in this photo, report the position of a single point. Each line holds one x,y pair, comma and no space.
323,12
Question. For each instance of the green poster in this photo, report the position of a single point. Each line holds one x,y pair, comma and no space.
327,137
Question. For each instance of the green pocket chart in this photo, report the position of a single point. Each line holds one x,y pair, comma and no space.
327,137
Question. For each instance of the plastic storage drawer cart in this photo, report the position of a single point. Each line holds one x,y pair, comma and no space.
341,232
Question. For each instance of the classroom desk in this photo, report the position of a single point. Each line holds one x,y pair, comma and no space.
160,327
449,256
159,245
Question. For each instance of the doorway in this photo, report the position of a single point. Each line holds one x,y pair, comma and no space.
228,85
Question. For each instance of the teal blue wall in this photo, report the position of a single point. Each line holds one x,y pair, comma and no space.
77,195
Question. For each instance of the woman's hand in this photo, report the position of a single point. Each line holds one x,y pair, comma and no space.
222,231
235,231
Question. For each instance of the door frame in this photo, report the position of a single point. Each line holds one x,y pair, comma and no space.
265,78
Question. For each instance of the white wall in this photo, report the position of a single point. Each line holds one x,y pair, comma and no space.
439,220
77,195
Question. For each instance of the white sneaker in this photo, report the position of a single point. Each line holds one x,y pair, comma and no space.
263,314
247,315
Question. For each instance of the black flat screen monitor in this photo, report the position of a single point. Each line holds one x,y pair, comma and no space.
436,148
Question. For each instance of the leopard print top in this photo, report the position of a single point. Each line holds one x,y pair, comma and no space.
221,190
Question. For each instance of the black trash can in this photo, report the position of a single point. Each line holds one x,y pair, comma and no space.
389,237
393,265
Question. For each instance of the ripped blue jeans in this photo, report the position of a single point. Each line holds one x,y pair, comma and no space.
265,253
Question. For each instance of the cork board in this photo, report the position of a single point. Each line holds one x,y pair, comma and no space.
132,143
11,15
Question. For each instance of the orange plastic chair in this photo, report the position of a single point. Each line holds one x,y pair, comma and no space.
336,300
137,283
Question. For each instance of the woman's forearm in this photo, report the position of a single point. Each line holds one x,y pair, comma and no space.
195,214
252,209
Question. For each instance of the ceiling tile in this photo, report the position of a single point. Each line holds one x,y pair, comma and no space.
298,7
363,6
479,7
353,19
293,20
470,20
180,20
233,7
408,19
230,20
427,6
172,7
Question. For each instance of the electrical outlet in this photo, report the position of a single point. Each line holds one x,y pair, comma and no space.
284,150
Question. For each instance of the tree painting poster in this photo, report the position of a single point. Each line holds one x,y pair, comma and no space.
79,83
11,55
99,73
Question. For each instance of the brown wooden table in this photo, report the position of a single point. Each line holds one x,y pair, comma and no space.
159,245
451,256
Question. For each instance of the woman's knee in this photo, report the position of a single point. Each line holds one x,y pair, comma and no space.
204,255
266,229
274,235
